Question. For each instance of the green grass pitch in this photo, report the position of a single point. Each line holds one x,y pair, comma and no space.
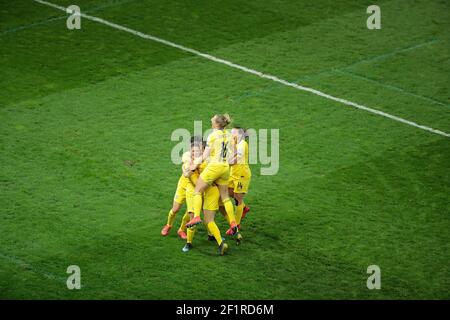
353,188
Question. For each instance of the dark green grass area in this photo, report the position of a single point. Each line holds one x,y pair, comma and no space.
353,189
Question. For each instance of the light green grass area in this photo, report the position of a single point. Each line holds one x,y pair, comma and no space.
354,189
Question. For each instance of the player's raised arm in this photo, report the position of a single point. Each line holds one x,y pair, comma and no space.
196,162
186,162
234,152
239,135
206,153
187,172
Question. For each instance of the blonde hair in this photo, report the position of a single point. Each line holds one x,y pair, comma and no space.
222,120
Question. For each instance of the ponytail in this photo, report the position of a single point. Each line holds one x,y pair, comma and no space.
223,120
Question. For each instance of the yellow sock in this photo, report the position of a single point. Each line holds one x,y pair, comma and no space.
184,220
212,227
229,209
191,234
171,217
207,230
224,213
197,204
239,211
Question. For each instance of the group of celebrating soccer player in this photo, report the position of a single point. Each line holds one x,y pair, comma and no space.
213,171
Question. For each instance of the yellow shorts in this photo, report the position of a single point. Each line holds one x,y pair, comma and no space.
239,184
211,198
239,179
180,193
216,172
190,188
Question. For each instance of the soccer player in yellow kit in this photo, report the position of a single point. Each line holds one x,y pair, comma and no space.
219,149
211,198
192,175
184,193
240,173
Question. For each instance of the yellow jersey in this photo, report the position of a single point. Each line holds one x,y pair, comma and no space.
221,144
241,168
186,162
198,171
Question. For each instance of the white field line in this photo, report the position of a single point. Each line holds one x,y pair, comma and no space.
251,71
392,53
51,19
346,70
31,25
388,86
24,265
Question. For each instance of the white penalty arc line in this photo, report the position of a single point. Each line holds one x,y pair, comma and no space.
248,70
